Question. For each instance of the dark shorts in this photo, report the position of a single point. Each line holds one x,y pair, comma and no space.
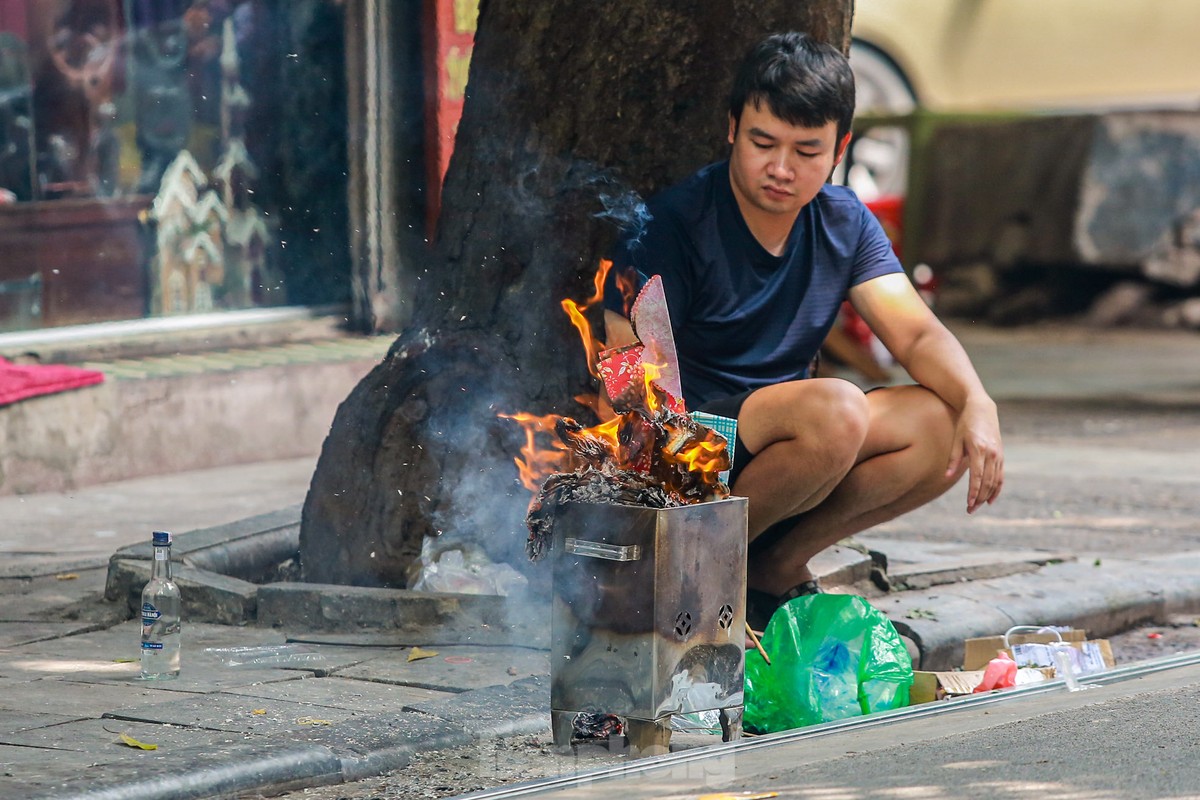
731,407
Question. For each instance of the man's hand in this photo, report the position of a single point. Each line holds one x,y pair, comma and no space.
977,442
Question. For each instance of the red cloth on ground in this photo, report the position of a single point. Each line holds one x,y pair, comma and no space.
22,381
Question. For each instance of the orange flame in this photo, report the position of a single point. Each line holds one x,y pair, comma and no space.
627,286
607,431
627,437
591,345
704,457
535,464
652,372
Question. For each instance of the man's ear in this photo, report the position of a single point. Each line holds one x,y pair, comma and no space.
841,149
733,126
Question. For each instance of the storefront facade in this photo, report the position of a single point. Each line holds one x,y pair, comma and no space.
169,157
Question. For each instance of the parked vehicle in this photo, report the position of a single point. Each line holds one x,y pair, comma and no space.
1013,55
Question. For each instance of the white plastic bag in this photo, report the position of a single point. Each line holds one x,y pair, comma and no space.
460,572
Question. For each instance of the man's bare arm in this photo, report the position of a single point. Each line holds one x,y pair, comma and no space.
935,359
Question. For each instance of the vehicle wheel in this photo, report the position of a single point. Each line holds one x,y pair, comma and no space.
880,86
877,163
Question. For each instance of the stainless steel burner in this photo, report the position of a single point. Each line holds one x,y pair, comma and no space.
648,616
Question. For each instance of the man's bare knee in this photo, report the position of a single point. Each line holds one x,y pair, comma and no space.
903,416
845,410
822,416
840,423
805,437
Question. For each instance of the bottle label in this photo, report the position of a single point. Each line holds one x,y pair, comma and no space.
161,554
149,614
152,645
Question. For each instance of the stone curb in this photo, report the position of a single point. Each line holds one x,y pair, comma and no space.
243,769
207,596
232,548
220,598
389,759
214,568
522,706
386,742
212,565
844,564
1102,599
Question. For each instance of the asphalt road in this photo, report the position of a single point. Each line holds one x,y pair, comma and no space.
1127,739
1130,739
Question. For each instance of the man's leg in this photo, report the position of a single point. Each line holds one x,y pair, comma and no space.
805,437
901,465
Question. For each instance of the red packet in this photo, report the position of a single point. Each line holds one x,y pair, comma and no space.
652,323
623,376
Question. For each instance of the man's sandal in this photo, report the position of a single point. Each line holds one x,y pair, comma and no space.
760,606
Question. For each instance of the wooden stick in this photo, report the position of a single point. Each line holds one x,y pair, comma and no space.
757,644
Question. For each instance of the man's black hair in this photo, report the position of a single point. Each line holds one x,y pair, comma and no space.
803,82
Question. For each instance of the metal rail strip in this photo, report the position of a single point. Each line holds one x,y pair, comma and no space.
1112,676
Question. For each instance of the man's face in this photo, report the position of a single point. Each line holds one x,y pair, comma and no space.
776,167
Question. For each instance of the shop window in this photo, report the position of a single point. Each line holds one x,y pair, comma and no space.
163,157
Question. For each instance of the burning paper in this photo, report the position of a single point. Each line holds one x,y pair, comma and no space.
657,461
652,453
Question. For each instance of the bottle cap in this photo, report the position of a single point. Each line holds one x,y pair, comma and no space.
162,538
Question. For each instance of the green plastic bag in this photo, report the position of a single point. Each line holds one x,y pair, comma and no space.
833,656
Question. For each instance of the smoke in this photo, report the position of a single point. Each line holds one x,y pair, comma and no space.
483,524
549,179
628,211
480,548
481,504
483,510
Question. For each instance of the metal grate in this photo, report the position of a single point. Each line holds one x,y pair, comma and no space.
725,617
683,624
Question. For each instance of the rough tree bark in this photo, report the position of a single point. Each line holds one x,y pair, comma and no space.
570,105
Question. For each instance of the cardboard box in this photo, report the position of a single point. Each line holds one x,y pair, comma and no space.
930,686
1093,654
1028,650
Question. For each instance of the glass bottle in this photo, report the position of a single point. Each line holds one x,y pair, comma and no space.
160,616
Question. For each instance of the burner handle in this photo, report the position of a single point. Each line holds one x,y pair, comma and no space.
609,552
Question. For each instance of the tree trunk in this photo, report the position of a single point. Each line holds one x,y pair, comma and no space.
570,106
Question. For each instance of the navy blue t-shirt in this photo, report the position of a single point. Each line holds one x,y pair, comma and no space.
743,318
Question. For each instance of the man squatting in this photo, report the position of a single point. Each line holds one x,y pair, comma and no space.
756,255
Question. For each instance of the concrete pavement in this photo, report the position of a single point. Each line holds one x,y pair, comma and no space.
1096,529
